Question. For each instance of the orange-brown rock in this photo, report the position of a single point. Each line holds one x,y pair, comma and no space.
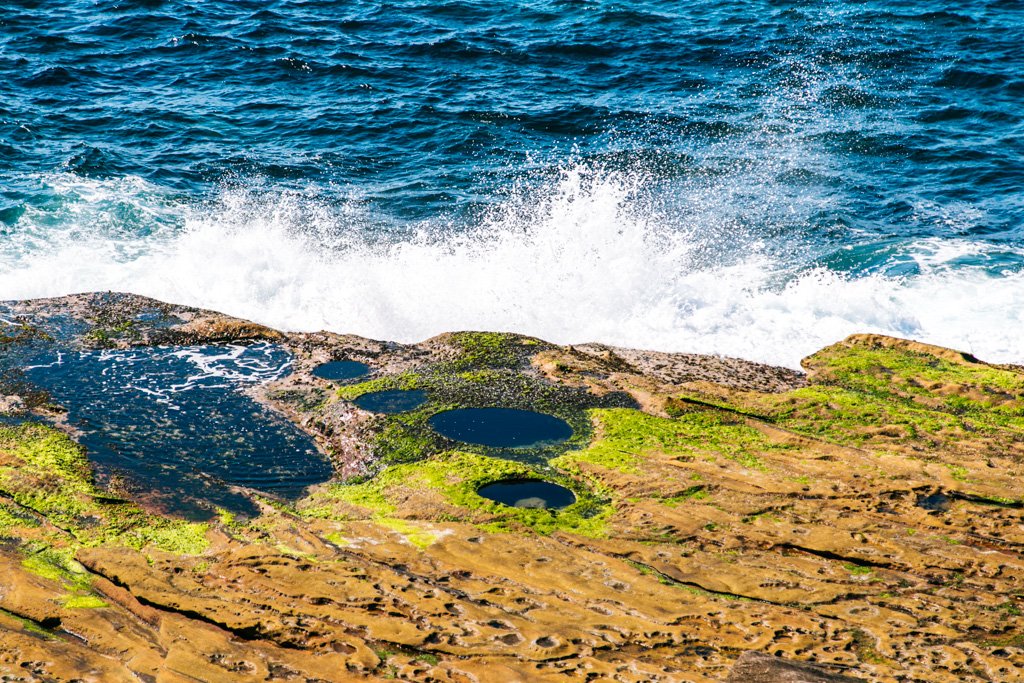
862,523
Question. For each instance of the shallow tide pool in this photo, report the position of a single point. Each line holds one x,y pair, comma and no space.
528,493
501,427
174,425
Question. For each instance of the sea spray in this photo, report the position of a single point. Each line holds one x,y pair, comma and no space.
585,257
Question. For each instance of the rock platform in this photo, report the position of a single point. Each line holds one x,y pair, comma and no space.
733,522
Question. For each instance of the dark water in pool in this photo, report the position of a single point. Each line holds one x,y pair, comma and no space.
392,401
501,427
750,178
341,370
175,424
935,502
528,493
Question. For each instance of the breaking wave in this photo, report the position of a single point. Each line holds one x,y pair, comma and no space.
589,255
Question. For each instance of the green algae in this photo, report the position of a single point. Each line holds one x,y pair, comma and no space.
897,395
963,386
691,493
107,335
456,476
486,372
882,369
491,349
405,381
485,375
35,628
364,495
170,535
46,449
958,472
847,417
12,519
50,475
408,437
627,436
337,539
19,333
83,602
57,564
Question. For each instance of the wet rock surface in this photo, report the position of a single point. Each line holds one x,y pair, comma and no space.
731,521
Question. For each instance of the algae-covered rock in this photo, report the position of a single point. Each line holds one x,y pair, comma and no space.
731,521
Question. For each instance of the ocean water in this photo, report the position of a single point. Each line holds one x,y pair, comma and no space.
753,179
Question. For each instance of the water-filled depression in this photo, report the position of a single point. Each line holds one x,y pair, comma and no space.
392,401
501,427
174,425
528,493
341,370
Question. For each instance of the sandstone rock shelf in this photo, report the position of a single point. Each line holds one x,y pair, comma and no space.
732,521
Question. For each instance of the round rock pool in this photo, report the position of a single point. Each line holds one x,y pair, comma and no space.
340,370
392,401
528,493
501,427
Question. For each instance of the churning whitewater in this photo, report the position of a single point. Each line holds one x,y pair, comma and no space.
585,258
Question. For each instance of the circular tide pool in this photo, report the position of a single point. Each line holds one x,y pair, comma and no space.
392,401
501,427
528,493
339,370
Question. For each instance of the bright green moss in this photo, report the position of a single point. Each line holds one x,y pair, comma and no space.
29,626
851,418
871,368
487,349
365,495
11,520
625,436
226,517
405,440
47,450
170,535
83,602
53,478
923,378
337,539
58,564
958,472
405,381
457,476
692,493
857,570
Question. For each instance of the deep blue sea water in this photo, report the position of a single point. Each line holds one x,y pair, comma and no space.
755,179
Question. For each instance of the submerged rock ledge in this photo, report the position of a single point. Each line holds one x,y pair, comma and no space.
733,521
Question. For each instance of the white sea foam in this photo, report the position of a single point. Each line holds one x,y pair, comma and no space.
585,258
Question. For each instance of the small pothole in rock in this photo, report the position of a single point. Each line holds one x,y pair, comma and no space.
340,370
392,401
935,502
501,427
528,493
